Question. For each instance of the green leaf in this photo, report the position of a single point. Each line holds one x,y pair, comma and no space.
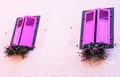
92,44
85,45
21,54
14,51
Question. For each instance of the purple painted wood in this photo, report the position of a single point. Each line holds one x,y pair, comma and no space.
18,29
103,26
89,27
28,31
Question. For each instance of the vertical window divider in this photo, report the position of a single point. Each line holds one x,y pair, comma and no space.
95,32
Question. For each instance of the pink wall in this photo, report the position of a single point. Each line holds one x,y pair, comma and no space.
55,54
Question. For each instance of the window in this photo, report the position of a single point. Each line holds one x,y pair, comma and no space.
99,29
24,35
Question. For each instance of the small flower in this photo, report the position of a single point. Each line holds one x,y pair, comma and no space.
98,55
103,58
95,49
21,51
83,52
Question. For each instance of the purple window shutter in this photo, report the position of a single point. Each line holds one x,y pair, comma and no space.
89,27
103,26
28,31
18,29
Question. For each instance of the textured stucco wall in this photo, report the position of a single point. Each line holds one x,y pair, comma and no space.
55,54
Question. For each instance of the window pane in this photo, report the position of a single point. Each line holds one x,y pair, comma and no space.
30,21
20,22
103,15
90,16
